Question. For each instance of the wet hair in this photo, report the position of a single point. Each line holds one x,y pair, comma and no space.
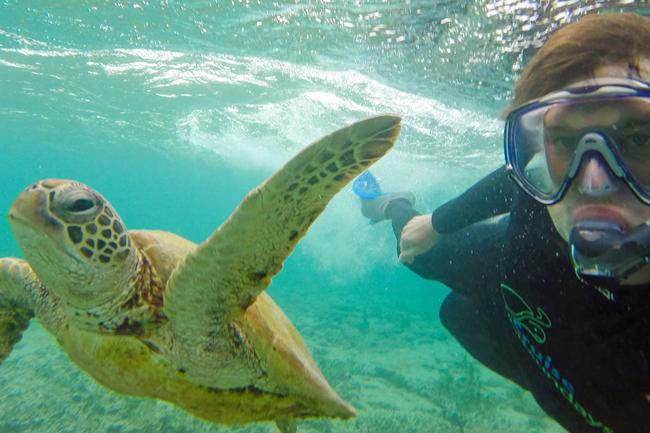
574,51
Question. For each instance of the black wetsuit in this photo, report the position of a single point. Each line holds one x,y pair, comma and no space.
517,306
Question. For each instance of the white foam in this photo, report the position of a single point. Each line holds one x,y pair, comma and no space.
301,96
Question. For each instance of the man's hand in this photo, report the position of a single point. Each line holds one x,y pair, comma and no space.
418,236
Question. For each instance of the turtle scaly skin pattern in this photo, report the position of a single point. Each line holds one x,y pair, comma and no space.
148,313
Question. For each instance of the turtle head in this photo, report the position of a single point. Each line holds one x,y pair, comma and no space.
74,240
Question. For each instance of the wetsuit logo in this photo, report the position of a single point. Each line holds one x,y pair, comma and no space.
535,323
530,327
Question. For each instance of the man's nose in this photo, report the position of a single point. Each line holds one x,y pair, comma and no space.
595,178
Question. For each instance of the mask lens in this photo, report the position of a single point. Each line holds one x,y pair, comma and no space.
544,140
531,155
632,137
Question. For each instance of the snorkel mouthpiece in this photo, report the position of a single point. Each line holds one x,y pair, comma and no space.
603,253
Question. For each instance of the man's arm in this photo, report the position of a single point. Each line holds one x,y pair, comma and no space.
493,195
457,243
465,259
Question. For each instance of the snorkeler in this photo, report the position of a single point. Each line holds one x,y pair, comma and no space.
549,274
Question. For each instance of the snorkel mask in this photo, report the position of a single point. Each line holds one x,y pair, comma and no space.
545,148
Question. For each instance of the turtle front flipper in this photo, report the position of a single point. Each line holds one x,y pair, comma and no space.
235,264
16,277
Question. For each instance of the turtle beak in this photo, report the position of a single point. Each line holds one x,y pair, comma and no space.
30,209
30,220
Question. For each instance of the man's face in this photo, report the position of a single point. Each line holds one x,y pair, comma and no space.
595,193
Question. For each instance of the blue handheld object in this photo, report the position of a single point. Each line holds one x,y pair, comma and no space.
366,186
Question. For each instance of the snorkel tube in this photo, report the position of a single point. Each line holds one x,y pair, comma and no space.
603,254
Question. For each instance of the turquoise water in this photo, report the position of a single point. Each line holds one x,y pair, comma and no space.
174,111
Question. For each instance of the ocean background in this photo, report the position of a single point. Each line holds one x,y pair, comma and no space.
175,110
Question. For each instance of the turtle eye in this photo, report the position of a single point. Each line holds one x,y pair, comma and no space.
76,205
80,205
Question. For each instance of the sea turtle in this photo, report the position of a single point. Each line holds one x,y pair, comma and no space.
149,313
